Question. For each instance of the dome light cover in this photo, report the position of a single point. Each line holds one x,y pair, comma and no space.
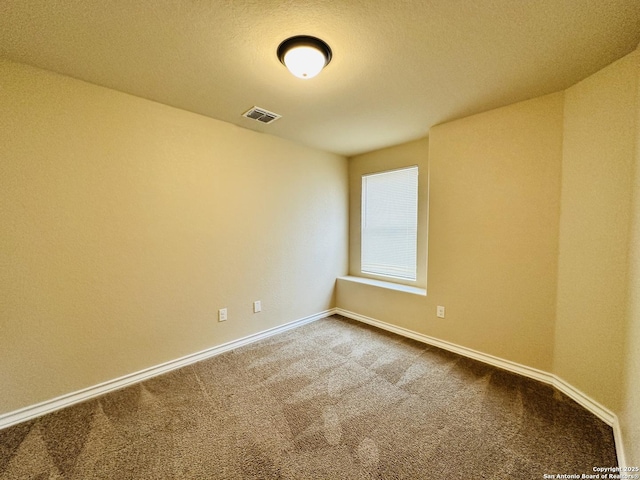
304,56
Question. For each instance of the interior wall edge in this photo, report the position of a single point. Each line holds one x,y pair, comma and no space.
48,406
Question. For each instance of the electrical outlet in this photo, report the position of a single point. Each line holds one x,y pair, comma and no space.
222,315
440,311
257,306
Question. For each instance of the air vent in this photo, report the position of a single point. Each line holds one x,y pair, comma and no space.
261,115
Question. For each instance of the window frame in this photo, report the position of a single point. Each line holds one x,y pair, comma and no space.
419,274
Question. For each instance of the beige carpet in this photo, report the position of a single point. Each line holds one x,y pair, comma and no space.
334,399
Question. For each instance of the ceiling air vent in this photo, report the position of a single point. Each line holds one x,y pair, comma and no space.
261,115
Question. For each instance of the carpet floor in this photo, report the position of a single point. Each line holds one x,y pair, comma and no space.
334,399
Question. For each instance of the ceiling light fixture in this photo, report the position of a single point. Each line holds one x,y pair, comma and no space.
304,56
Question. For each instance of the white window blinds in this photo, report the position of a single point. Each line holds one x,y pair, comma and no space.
390,223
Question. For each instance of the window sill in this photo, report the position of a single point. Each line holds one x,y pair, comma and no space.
386,285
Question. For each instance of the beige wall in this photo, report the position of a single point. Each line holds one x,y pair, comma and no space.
598,153
494,182
630,413
127,224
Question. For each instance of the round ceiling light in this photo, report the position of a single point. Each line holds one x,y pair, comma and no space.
304,56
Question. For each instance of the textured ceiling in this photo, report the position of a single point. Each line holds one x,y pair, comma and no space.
399,66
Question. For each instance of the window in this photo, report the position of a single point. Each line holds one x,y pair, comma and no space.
390,223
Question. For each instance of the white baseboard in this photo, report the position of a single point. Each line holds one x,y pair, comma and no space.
48,406
617,437
603,413
452,347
